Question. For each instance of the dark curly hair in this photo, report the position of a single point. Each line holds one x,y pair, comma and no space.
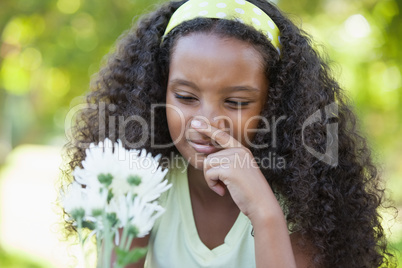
335,207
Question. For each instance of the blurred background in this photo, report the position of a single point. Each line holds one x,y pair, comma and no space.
50,48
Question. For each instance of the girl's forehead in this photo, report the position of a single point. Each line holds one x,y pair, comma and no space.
212,43
210,61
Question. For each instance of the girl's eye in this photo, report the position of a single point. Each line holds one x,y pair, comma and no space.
237,104
185,98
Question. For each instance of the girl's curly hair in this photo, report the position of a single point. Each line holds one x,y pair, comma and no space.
334,206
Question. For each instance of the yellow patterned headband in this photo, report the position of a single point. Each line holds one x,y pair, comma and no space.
238,10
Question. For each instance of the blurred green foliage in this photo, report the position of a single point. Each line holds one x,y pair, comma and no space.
364,38
50,48
8,260
48,51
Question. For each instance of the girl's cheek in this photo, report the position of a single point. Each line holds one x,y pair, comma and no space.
248,130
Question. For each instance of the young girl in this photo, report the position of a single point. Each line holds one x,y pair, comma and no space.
267,166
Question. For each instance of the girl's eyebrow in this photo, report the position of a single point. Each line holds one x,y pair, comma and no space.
182,82
228,89
241,88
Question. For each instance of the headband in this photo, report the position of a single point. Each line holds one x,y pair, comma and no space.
236,10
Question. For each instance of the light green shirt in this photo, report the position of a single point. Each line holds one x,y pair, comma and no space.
174,241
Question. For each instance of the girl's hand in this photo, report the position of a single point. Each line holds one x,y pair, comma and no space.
236,168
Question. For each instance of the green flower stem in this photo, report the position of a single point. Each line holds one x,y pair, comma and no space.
79,230
123,245
129,241
123,238
107,243
98,243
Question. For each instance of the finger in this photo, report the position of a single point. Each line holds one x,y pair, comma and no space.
221,137
214,160
213,181
227,152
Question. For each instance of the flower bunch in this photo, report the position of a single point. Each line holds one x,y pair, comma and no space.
116,190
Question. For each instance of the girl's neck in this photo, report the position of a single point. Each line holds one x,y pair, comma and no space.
199,189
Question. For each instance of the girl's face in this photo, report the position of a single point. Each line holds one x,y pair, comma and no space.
220,81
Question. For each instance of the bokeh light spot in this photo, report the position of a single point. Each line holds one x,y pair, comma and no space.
83,23
68,6
13,31
58,82
357,26
30,59
65,38
12,77
392,78
86,43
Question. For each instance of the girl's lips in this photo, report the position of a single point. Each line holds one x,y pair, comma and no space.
203,147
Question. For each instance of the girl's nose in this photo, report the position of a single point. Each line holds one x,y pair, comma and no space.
212,114
221,122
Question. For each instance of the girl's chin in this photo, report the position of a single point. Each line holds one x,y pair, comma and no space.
194,158
197,161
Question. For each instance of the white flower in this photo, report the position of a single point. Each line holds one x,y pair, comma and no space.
96,201
143,215
121,205
99,160
111,159
151,188
117,182
120,187
74,199
133,211
79,198
146,167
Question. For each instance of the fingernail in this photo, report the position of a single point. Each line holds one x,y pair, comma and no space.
196,123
